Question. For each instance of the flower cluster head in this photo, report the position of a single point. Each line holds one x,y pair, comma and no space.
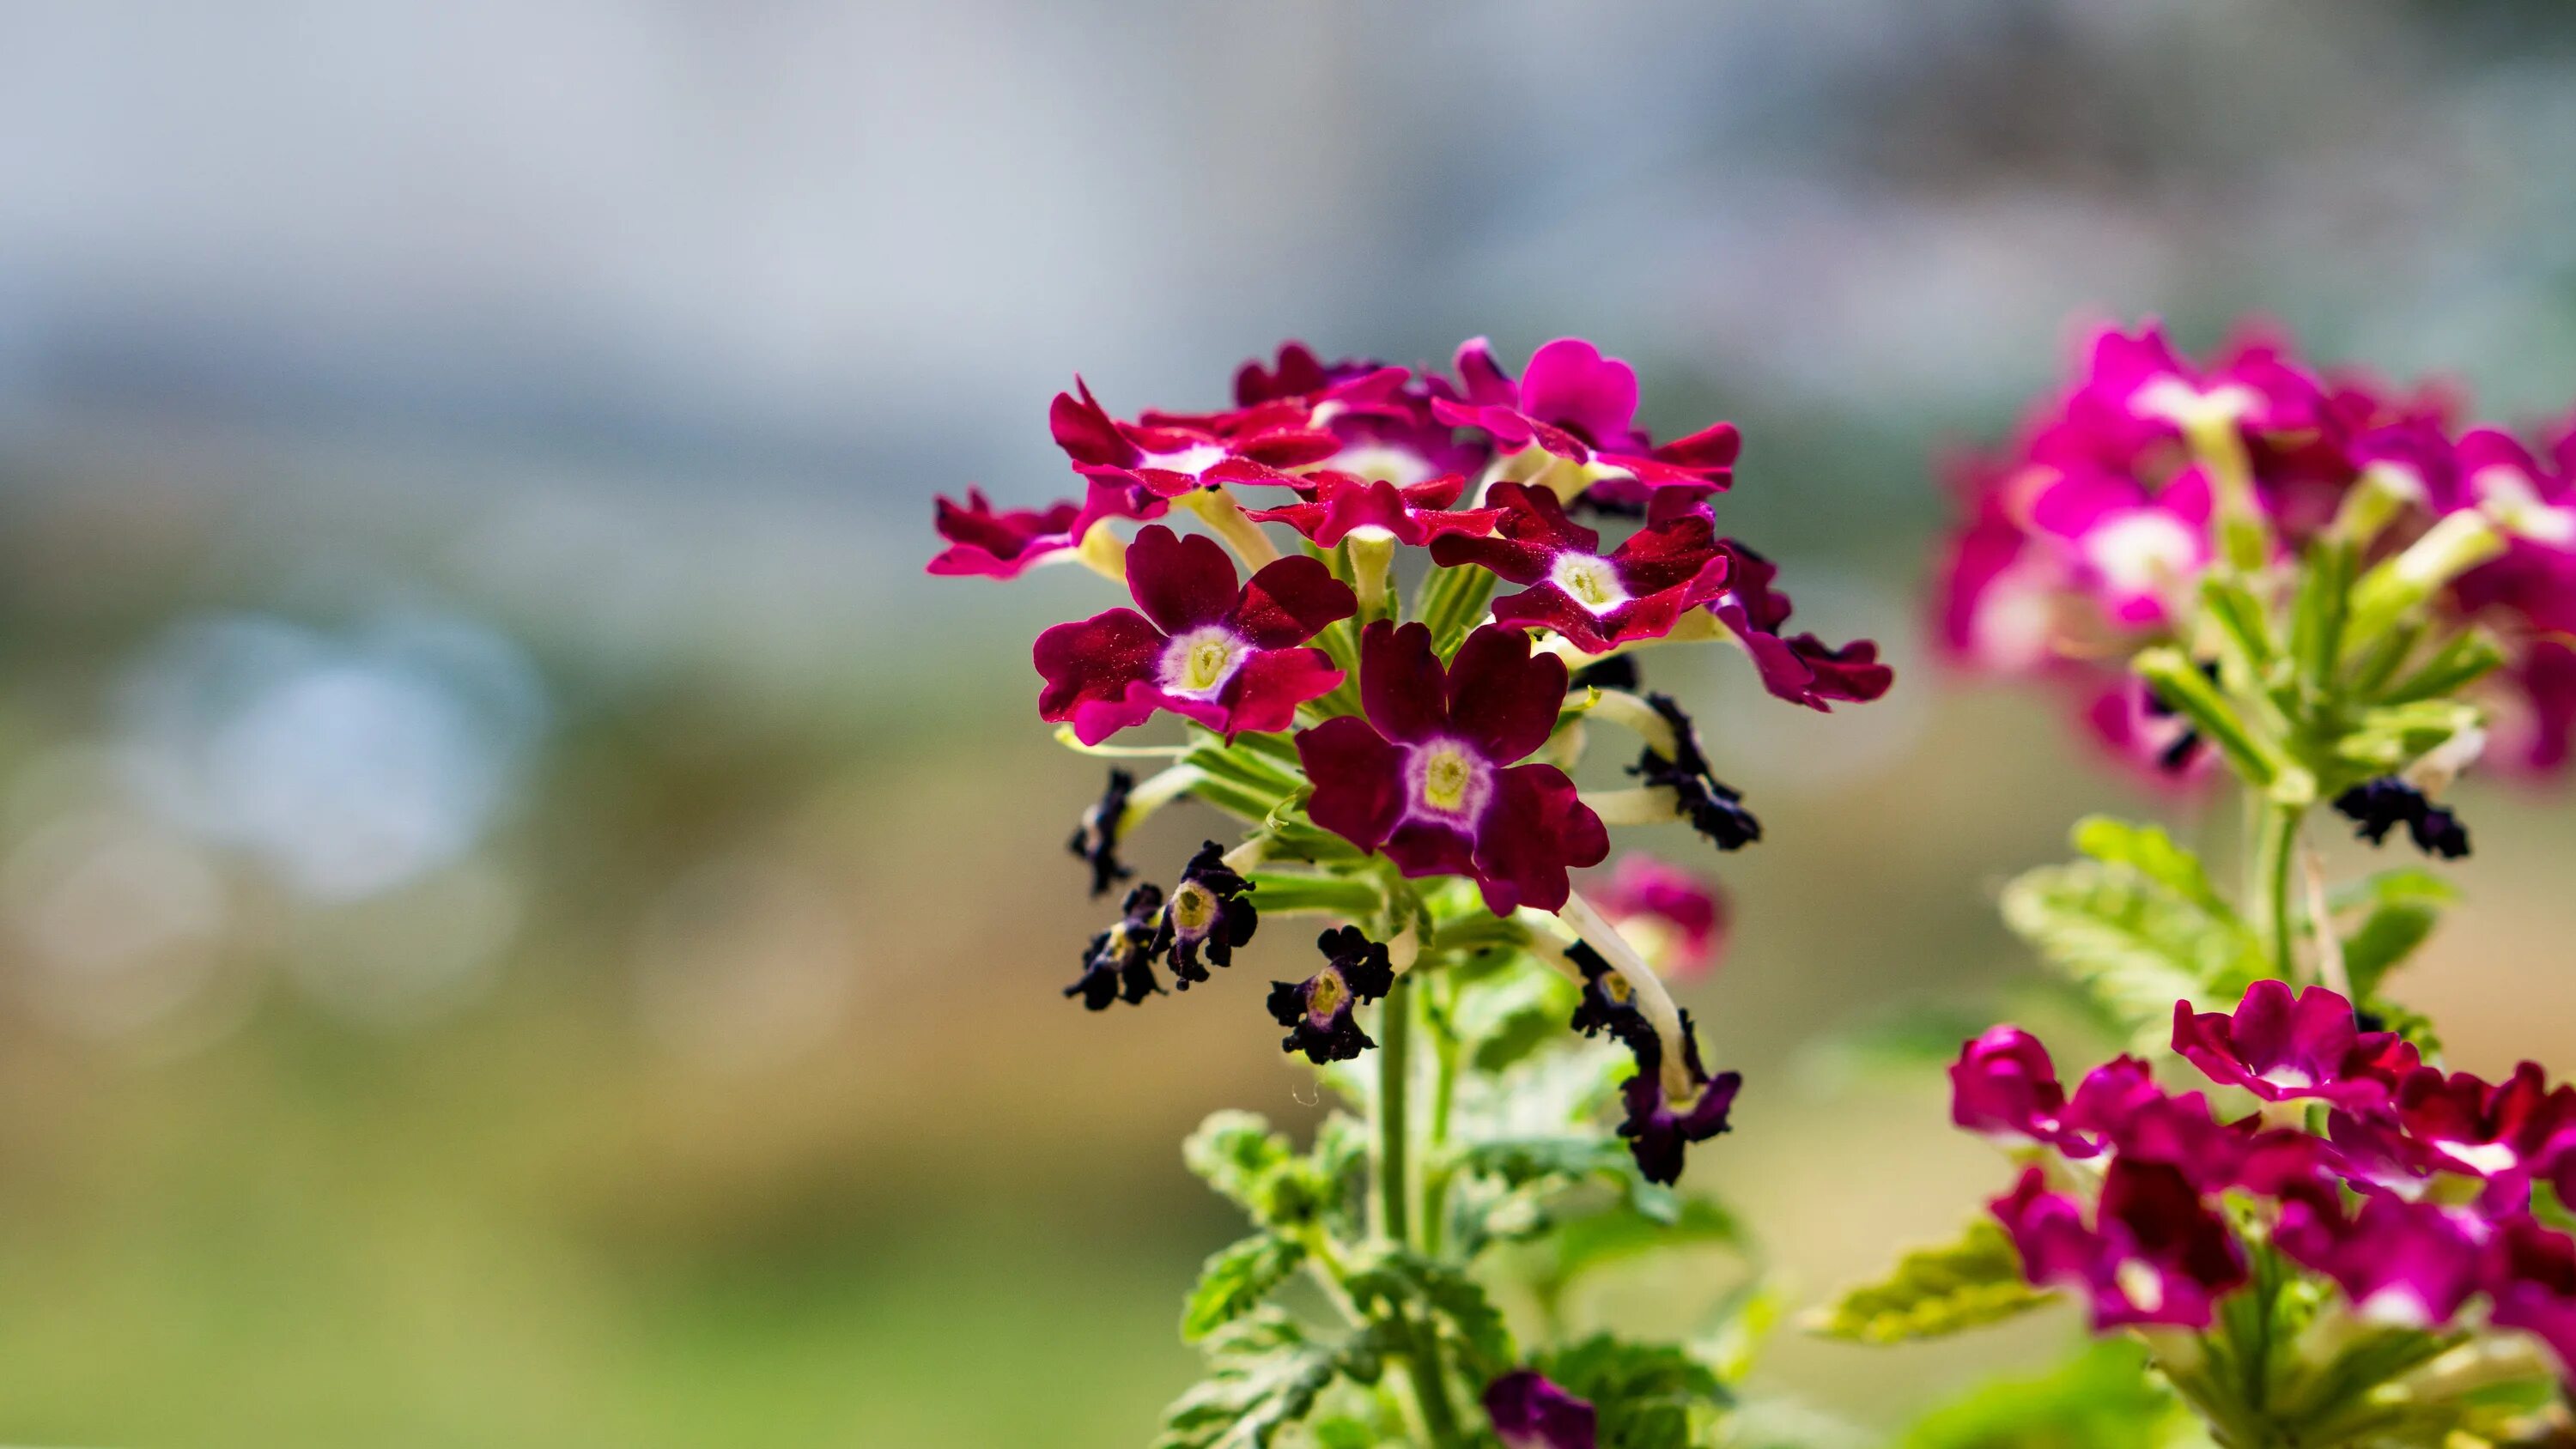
2091,537
1397,762
2415,1199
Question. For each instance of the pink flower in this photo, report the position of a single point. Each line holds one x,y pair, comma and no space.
1000,545
1168,456
2134,552
2154,1253
2407,1264
2003,1086
1676,917
1575,404
2509,1130
2531,1277
1638,590
2137,391
1803,670
1335,505
1429,776
1202,648
2282,1046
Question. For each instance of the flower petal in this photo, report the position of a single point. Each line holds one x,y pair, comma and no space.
1290,602
1503,698
1094,661
1181,582
1359,780
1269,685
1535,829
1401,685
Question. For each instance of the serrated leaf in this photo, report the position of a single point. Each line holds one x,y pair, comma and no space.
1647,1396
1973,1280
1514,1012
1452,1298
1236,1153
2149,851
1235,1280
2102,1398
1264,1375
2137,945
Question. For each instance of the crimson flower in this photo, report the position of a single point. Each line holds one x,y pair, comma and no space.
2505,1130
2154,1253
2281,1045
1637,591
2406,1264
1168,455
1575,404
1336,505
1379,417
999,544
2004,1086
1803,670
2531,1277
1428,777
1201,648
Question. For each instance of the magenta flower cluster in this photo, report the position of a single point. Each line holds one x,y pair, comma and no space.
2087,538
2416,1199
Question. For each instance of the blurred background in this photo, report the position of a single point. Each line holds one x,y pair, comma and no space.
525,919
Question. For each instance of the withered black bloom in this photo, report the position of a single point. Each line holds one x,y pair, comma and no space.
1095,840
1609,1002
1713,808
1619,671
1119,962
2379,806
1210,914
1317,1011
1659,1130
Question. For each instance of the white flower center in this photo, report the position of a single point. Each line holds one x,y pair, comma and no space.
2508,498
2396,1306
2141,1285
2486,1157
1589,581
1199,662
1446,778
2192,409
1193,460
2141,552
1378,462
2016,620
2290,1078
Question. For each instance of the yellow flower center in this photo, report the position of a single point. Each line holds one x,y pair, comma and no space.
1328,994
1201,661
1589,581
1193,907
1616,987
1447,774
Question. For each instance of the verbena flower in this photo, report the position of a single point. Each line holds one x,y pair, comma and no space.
2283,1045
1118,965
1528,1412
2136,551
1660,1129
1095,838
1001,544
1800,668
1210,913
2137,392
1638,590
2404,1264
2511,1129
2004,1087
1429,777
1676,918
1378,416
1578,407
1168,456
1318,1011
2531,1280
1224,657
2153,1252
2378,806
1714,808
1334,506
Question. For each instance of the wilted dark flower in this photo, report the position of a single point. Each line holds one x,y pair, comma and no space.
2379,806
1609,1002
1119,962
1713,808
1659,1128
1095,840
1318,1010
1210,913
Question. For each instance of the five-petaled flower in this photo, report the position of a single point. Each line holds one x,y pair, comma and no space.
2404,1264
1224,657
1318,1011
1573,416
1638,590
1660,1129
1210,913
1429,778
2004,1087
1169,455
2155,1252
2282,1045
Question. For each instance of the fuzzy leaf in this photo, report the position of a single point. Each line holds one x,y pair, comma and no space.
2135,943
1264,1375
1449,1295
2100,1399
1935,1291
1236,1279
1514,1012
2149,851
2405,905
1237,1154
1648,1396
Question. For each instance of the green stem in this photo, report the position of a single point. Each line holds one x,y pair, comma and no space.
1428,1379
1444,1094
2274,864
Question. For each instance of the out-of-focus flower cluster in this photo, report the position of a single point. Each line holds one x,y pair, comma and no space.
2426,1199
2087,539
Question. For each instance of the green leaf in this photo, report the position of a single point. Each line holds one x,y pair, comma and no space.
1448,1295
1647,1396
1237,1154
1236,1279
2149,851
2405,905
2102,1398
1935,1291
1513,1013
2137,944
1264,1375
